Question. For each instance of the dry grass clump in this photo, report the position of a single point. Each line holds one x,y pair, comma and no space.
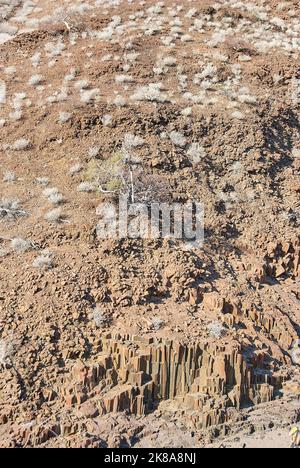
100,317
6,351
9,177
156,323
87,187
75,169
54,216
53,196
43,262
154,92
35,80
178,139
216,329
20,245
21,144
10,209
64,117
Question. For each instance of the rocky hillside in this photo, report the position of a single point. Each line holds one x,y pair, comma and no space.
127,342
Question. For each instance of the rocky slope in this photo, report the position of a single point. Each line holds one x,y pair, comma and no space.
118,342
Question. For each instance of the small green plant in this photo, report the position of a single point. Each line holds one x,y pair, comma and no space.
123,174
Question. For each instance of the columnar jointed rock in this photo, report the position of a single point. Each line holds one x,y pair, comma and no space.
134,374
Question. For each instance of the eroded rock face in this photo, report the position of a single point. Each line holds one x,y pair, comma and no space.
206,385
135,374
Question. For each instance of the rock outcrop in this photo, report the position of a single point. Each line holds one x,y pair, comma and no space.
283,259
134,374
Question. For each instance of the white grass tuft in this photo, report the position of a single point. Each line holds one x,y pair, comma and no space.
296,153
238,115
169,61
6,351
71,76
48,192
132,141
106,120
153,93
35,80
54,49
36,59
124,79
53,195
75,169
89,95
87,187
245,58
187,112
42,180
10,208
10,70
54,216
94,151
56,198
43,262
178,139
196,153
9,177
81,84
20,245
4,252
2,92
64,117
247,99
216,329
120,101
21,144
156,323
16,116
99,317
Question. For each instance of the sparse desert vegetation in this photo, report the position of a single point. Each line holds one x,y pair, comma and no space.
140,340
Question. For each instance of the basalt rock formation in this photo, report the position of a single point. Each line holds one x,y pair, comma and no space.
134,374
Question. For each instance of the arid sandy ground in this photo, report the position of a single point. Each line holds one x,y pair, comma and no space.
203,97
